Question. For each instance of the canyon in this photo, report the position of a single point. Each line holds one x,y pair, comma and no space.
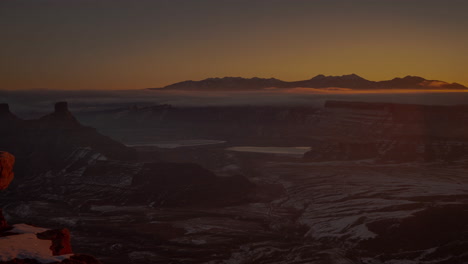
381,183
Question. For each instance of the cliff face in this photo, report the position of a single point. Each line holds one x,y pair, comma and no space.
259,125
6,169
390,132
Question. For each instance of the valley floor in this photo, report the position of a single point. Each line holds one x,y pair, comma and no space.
323,212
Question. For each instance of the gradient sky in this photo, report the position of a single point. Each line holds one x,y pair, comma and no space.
134,44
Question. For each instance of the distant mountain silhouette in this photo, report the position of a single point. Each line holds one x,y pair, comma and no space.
351,81
227,83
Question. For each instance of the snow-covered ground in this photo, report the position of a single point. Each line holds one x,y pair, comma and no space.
24,244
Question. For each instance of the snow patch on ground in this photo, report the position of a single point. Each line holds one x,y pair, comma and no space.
25,245
27,229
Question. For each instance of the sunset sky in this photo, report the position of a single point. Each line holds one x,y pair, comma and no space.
134,44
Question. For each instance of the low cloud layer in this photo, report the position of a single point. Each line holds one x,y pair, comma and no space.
29,104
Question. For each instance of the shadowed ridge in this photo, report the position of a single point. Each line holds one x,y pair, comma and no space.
345,81
60,118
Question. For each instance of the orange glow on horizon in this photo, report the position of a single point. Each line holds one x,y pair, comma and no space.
151,44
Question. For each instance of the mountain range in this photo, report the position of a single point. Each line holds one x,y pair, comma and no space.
351,81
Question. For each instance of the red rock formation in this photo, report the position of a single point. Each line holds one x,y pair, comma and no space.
6,169
60,241
6,176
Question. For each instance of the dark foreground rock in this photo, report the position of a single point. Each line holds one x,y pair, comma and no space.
438,232
60,240
176,184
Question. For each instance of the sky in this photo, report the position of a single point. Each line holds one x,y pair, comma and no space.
136,44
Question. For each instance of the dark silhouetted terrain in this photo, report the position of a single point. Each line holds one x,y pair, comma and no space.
351,81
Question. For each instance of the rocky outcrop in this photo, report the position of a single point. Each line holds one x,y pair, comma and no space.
60,241
6,169
5,113
60,118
